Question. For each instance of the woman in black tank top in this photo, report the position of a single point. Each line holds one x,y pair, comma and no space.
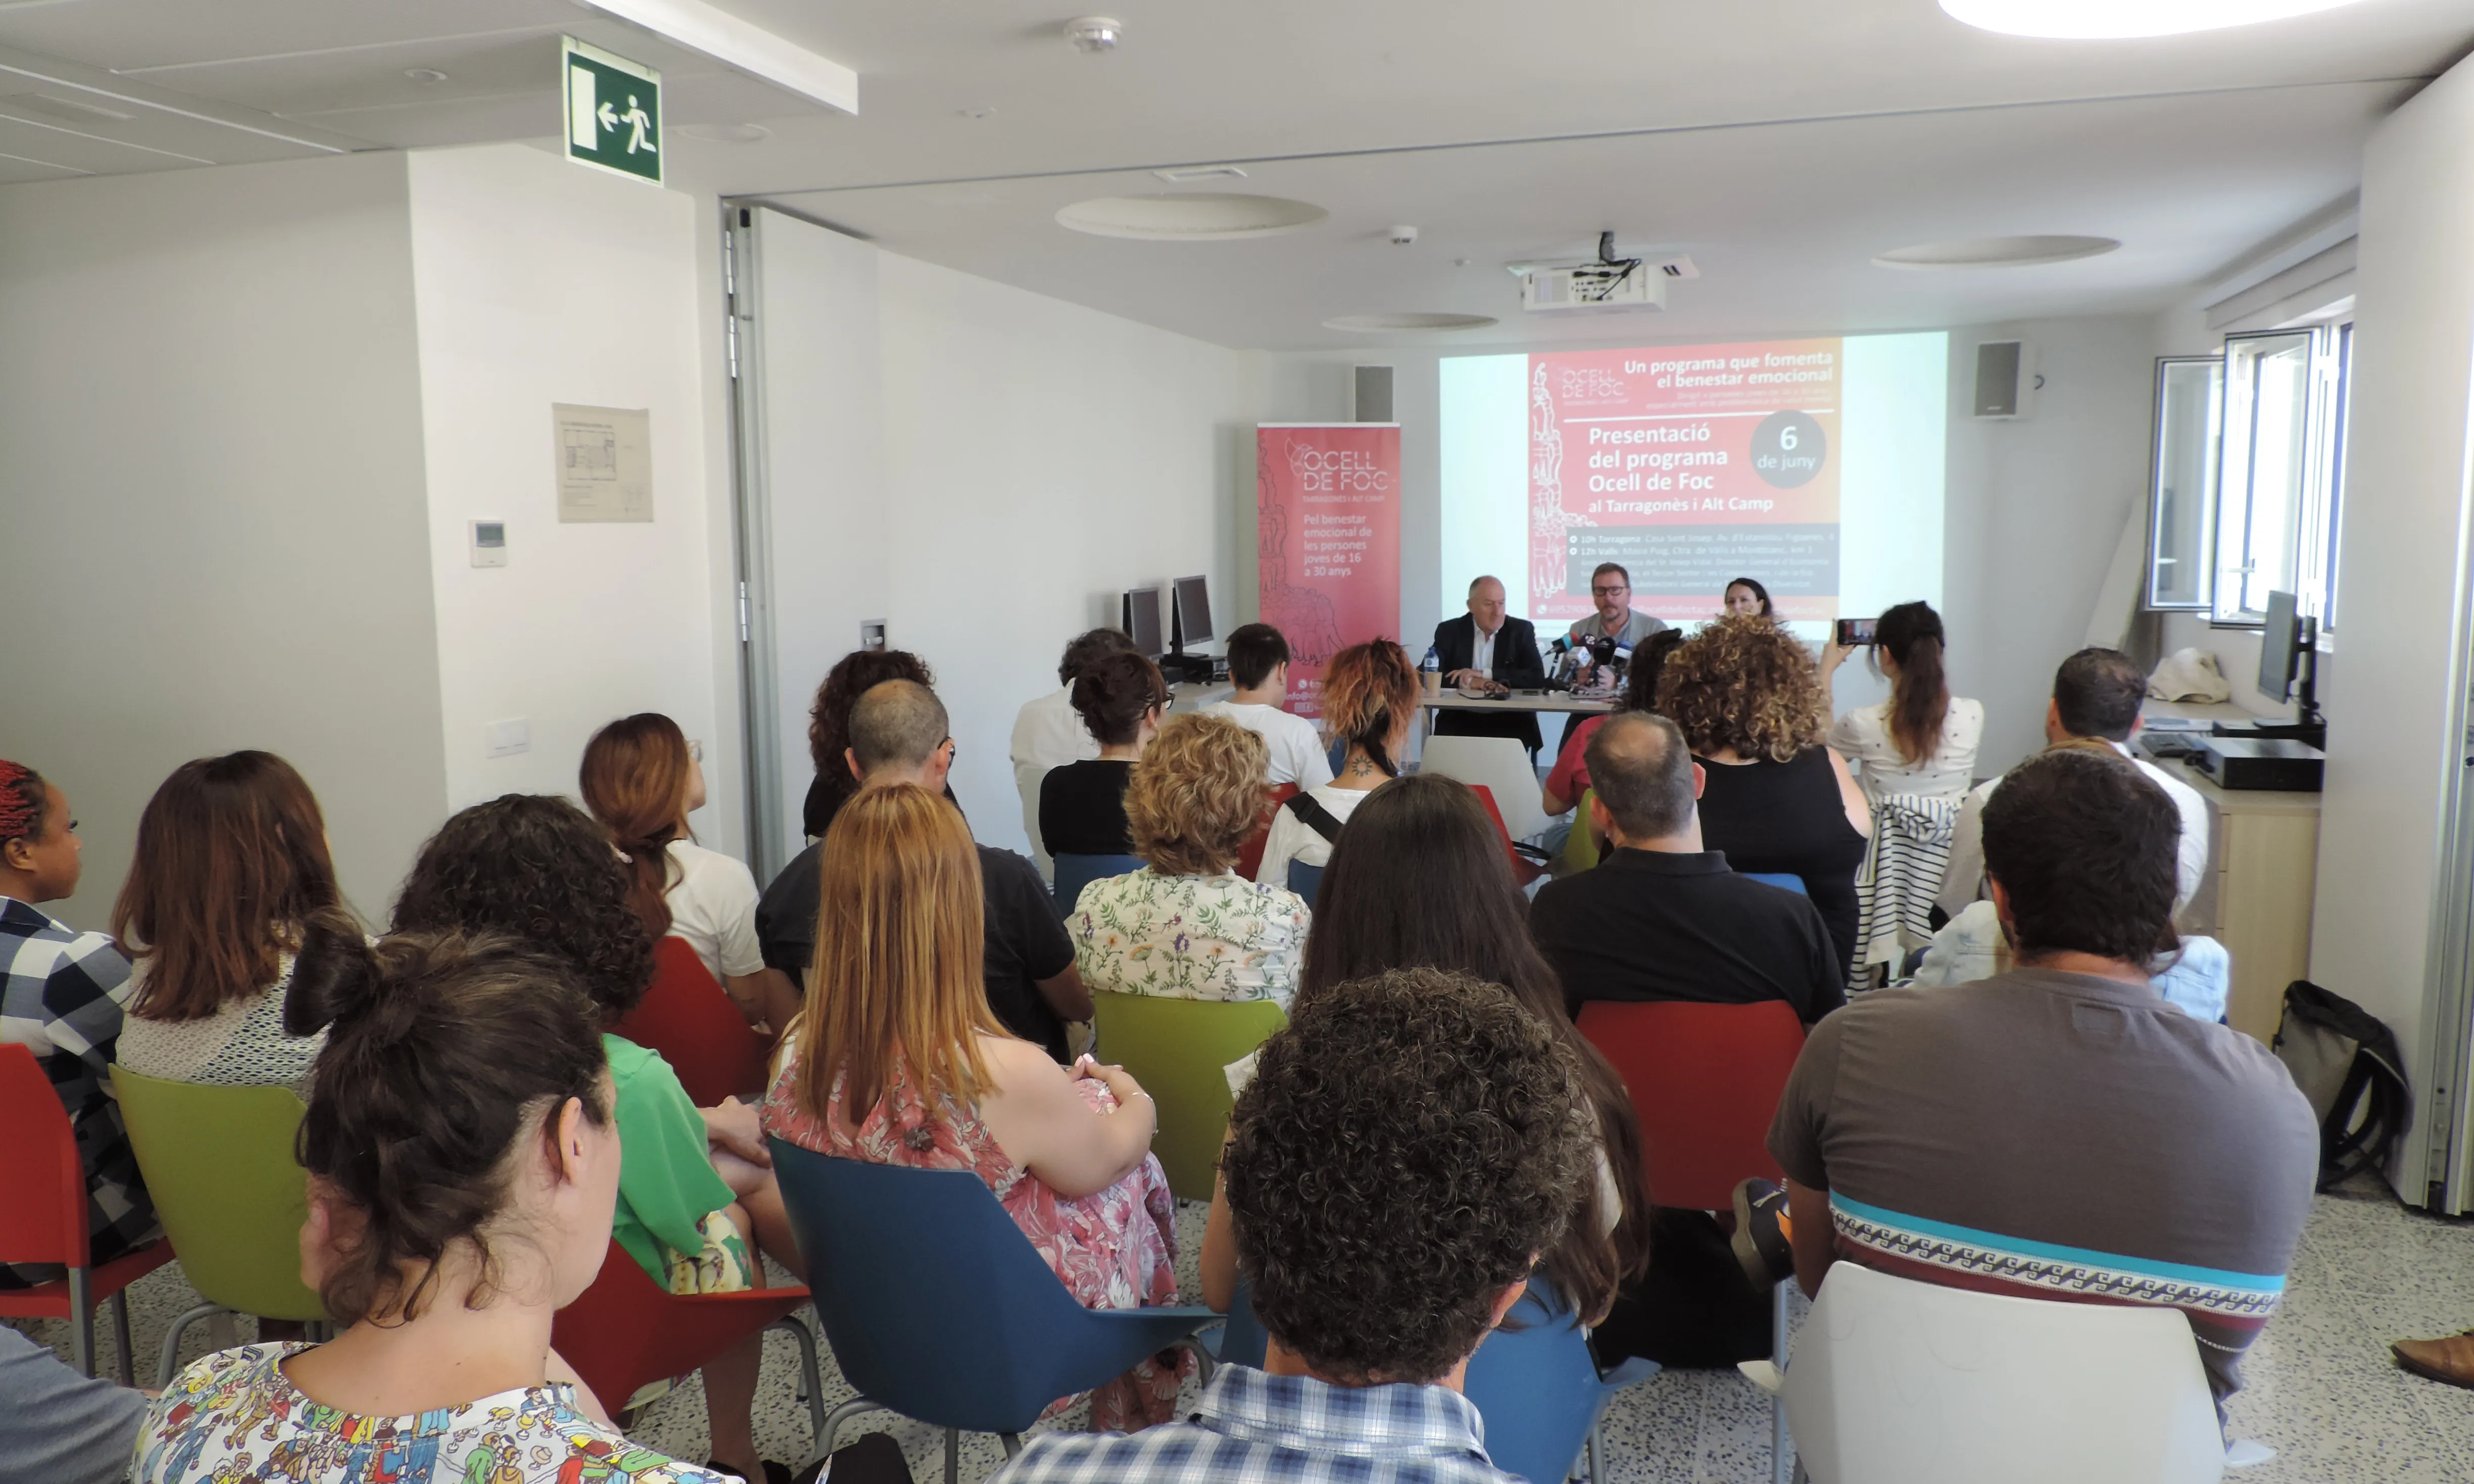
1749,700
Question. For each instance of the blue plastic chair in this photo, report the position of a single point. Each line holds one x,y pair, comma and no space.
1305,880
1075,872
1540,1390
1785,881
1537,1387
939,1308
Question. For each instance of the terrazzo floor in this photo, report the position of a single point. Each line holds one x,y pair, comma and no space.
2321,1388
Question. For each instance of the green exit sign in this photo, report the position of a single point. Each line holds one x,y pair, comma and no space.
614,111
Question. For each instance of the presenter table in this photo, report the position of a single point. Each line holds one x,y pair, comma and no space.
1563,701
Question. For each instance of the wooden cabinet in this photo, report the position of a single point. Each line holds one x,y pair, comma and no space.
2256,899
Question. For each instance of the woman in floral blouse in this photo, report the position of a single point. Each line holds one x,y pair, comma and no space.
1187,926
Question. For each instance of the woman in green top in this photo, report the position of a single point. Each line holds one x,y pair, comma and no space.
693,1184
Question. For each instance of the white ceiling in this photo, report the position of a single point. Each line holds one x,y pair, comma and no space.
1780,142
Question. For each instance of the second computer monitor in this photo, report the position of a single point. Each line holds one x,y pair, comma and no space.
1142,622
1192,614
2279,646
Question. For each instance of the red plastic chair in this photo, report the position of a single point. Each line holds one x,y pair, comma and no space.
42,1215
692,1021
1249,856
1706,1080
626,1331
1524,871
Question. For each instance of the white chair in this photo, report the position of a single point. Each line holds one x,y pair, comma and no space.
1496,763
1896,1381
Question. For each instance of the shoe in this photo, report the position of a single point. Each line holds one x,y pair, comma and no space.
1762,1238
2450,1359
774,1473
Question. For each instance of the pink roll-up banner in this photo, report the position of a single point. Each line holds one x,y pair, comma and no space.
1327,511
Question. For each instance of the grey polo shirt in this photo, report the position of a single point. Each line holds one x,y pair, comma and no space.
1637,626
2058,1135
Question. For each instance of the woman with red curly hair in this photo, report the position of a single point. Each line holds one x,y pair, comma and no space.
1749,700
1369,701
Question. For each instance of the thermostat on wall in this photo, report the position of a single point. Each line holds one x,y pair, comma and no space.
489,543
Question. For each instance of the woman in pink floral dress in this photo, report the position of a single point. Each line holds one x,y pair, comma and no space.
897,1059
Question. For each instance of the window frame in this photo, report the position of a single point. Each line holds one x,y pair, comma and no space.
2206,527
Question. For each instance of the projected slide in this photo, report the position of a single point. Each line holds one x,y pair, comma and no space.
1815,466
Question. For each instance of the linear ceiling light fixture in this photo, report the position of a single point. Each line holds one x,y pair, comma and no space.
726,39
2098,20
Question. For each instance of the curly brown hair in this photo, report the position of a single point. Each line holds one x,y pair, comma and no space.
540,868
1408,1144
852,677
1197,795
1745,684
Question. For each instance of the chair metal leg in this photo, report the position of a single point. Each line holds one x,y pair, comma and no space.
170,1365
809,1378
1778,1403
953,1455
826,1435
1012,1442
82,1319
1598,1457
1205,1367
119,1302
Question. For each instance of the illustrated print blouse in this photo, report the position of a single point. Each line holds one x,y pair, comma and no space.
236,1416
1190,938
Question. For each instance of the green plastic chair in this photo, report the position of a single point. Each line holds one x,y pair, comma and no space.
219,1163
1178,1050
1580,848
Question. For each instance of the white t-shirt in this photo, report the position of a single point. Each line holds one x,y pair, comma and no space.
1862,736
1298,752
1292,839
1048,734
712,906
1965,879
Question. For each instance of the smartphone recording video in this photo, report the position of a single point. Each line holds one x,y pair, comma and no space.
1855,631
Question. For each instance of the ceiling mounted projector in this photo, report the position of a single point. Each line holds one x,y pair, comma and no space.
2098,20
1603,284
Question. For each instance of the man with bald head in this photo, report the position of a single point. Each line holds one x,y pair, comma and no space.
1662,918
1486,648
898,734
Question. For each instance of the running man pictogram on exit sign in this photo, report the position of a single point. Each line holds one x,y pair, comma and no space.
614,111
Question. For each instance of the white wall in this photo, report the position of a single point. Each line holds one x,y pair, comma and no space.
2403,577
536,281
212,477
1028,460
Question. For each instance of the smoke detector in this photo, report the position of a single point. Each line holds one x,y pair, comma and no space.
1092,34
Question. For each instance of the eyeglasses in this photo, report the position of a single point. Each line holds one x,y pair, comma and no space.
954,749
1611,592
695,752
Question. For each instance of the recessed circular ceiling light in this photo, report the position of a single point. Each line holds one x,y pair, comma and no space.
1189,216
1092,34
427,77
1378,324
2097,20
1995,252
725,134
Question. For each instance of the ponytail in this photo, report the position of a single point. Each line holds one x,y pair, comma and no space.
634,781
1911,635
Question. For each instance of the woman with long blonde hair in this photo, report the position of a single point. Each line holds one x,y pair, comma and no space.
1369,701
897,1059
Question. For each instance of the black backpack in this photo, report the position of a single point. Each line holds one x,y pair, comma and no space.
2345,1060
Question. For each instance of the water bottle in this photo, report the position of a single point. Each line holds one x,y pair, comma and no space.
1430,672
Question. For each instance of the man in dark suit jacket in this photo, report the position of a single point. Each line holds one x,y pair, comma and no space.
1508,661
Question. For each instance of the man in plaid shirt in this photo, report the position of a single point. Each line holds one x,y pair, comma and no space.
1362,1379
61,1000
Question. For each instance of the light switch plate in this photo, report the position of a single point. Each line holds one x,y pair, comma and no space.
505,738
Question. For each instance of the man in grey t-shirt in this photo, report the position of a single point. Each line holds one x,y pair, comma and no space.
2061,1130
1611,589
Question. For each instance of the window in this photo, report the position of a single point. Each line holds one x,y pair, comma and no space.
2248,475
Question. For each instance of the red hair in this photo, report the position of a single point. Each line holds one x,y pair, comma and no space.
634,781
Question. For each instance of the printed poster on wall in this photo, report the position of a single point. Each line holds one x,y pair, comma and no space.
1328,512
1690,466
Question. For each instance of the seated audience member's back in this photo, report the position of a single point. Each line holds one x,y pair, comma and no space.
1662,918
462,1164
1258,663
1122,699
1375,1275
2059,1130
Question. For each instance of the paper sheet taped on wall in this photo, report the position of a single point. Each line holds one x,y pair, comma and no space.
605,462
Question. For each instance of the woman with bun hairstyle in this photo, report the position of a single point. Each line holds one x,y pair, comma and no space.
231,865
696,1184
1369,701
1122,698
463,1162
642,780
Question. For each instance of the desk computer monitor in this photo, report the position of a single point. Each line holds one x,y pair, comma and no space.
1142,622
2280,646
1190,619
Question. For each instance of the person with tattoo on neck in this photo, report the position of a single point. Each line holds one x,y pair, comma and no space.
1370,701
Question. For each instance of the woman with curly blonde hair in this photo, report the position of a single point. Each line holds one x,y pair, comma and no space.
1370,702
1186,925
1749,700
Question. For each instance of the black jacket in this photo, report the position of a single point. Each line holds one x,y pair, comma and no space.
1515,650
